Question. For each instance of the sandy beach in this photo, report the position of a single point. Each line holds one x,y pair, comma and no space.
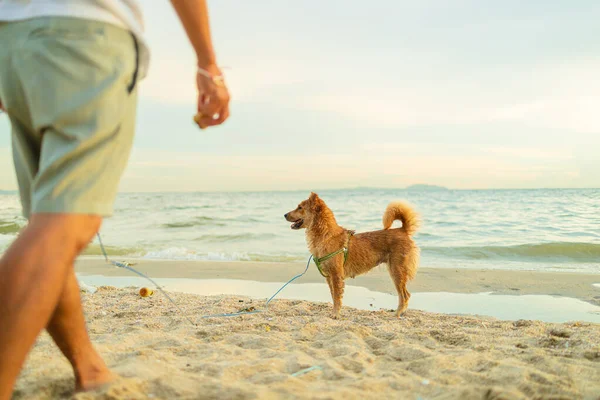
295,350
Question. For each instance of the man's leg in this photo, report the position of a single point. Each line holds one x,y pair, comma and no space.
67,328
77,102
33,274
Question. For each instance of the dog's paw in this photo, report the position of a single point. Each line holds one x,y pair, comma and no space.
335,315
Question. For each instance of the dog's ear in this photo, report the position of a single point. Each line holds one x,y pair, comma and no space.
316,202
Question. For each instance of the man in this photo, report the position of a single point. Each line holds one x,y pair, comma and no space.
68,77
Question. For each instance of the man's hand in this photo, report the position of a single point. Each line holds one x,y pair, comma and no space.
213,98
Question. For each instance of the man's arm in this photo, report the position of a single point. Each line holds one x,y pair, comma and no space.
194,17
213,96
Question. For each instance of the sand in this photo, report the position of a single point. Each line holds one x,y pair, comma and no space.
364,355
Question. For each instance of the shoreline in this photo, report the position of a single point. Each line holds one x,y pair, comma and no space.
469,281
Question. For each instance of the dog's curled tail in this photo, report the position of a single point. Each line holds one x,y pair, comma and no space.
403,212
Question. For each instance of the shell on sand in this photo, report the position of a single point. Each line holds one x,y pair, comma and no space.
364,355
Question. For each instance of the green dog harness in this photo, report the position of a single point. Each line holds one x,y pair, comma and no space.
318,261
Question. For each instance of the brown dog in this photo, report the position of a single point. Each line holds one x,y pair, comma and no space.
394,247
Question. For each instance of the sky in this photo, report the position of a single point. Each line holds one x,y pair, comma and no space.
387,93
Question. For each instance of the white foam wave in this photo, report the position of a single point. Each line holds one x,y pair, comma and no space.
180,253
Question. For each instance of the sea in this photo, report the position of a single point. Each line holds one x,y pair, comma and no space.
542,229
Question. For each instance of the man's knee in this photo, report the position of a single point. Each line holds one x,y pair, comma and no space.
71,229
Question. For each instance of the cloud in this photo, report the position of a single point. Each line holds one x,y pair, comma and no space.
513,153
486,168
557,97
376,165
463,94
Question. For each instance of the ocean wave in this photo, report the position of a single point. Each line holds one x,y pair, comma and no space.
10,227
180,253
235,237
563,252
209,221
188,207
198,221
95,250
557,251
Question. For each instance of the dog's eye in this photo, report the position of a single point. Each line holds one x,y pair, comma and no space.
299,207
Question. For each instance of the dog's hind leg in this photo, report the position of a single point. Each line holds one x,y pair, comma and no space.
398,272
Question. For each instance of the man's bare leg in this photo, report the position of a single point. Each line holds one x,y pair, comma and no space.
33,273
67,328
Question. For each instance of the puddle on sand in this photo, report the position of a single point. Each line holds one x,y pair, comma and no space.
506,307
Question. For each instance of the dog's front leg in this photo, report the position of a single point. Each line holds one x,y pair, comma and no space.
330,284
336,285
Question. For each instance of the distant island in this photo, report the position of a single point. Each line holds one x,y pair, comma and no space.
423,187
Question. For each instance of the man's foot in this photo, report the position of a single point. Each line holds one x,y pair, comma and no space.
93,378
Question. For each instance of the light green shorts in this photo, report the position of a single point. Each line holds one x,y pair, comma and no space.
69,88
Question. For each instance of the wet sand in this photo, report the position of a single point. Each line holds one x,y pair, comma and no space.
566,284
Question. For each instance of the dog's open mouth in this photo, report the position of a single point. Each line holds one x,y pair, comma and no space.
297,224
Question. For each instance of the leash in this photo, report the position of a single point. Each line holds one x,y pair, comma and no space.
129,268
268,301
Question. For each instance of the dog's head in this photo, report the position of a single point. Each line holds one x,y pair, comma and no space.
304,215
